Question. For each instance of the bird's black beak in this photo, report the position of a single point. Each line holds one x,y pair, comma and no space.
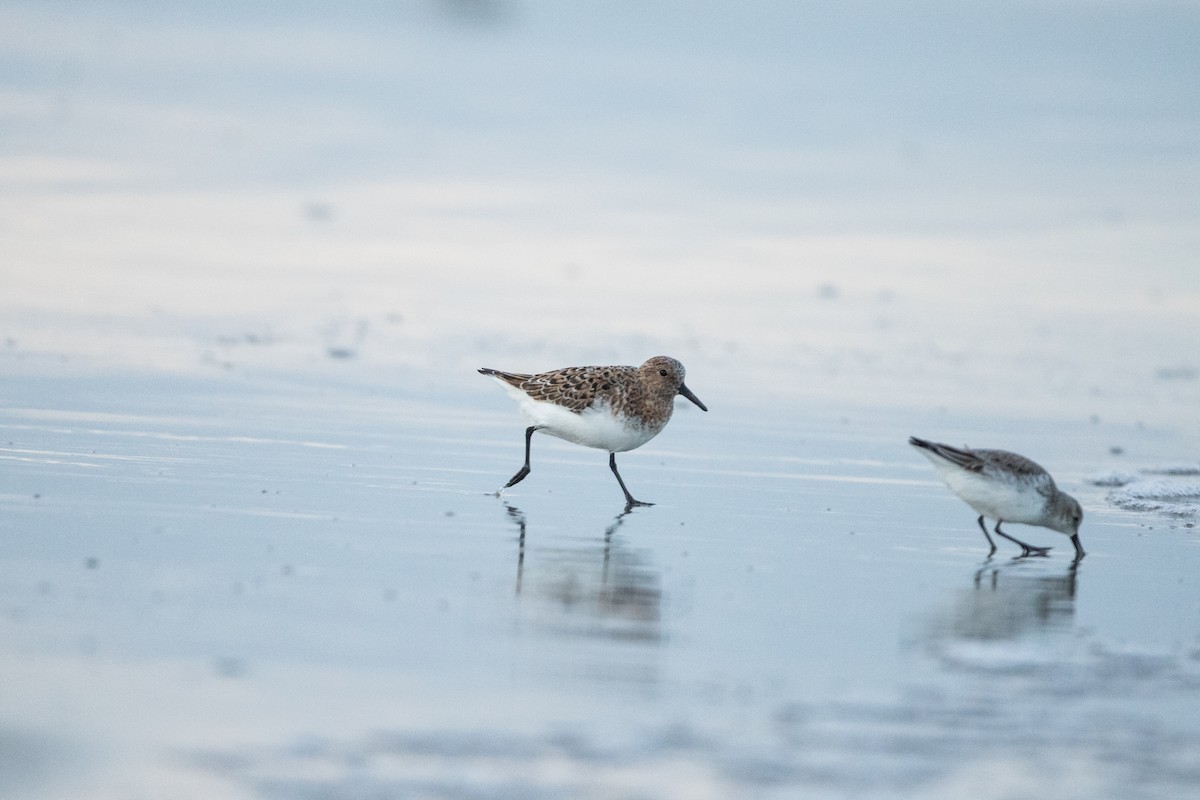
686,392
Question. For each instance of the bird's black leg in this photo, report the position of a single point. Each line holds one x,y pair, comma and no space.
520,476
987,536
1078,547
1026,549
629,501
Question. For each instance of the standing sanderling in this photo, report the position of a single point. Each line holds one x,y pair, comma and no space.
610,408
1008,488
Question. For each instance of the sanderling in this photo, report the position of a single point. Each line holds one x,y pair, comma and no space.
610,408
1008,488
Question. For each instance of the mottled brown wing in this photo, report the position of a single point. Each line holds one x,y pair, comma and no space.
575,388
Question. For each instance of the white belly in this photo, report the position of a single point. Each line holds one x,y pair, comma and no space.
592,428
997,499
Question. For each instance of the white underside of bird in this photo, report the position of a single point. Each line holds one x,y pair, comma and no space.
596,426
1011,501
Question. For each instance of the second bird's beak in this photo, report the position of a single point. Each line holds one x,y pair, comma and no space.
686,392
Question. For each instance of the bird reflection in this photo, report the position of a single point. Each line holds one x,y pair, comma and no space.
1009,600
518,516
590,586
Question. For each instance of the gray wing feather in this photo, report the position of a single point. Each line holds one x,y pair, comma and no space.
1015,464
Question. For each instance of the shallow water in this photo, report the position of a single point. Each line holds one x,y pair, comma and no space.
317,594
251,545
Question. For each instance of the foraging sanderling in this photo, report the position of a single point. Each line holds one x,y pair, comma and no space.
1008,488
609,408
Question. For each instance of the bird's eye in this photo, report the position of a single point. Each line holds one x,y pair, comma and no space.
662,372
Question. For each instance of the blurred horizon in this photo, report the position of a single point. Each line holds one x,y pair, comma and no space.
977,190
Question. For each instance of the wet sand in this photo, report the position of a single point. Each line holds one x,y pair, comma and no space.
281,594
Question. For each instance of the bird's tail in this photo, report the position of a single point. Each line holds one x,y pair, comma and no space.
954,455
511,378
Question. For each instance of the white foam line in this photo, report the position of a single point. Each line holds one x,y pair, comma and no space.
100,456
49,461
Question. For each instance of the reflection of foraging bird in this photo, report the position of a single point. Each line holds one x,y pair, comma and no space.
1008,488
610,408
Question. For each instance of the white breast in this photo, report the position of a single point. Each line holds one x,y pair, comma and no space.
594,427
1012,501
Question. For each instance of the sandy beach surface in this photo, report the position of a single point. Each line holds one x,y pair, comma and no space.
250,541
